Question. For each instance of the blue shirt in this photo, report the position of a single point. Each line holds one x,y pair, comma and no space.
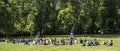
71,35
37,37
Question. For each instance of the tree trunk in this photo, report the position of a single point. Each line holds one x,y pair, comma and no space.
73,27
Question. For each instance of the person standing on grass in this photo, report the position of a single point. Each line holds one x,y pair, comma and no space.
71,38
37,36
71,42
71,35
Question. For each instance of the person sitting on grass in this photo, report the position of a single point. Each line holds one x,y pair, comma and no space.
105,42
67,40
96,43
88,43
13,41
55,41
85,42
20,40
41,41
111,43
50,40
26,42
62,42
75,40
34,42
81,41
38,41
91,42
45,42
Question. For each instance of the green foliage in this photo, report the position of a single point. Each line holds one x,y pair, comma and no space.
58,16
66,16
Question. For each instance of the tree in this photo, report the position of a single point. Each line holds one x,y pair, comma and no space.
66,16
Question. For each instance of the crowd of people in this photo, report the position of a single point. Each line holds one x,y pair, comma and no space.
44,41
62,41
95,42
39,40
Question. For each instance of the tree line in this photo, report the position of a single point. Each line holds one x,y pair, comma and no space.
59,16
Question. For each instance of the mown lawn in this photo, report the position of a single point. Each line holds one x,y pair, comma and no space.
75,47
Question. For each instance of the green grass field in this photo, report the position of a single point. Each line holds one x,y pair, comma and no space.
75,47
